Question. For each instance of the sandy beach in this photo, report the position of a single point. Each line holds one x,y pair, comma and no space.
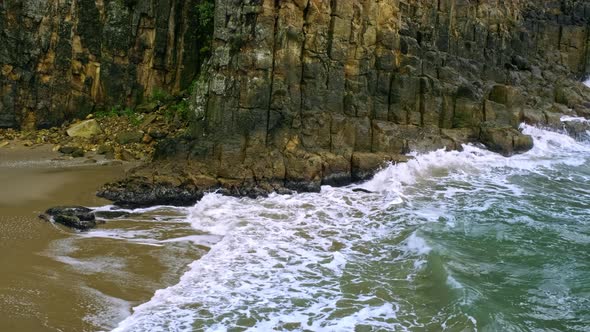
31,181
57,279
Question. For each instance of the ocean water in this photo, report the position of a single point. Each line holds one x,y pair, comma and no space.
450,241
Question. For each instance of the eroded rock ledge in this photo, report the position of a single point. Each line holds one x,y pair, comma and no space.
259,170
173,182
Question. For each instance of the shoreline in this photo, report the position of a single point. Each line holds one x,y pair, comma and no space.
167,177
104,276
31,157
181,179
33,182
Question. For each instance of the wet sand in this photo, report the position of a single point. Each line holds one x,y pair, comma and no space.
56,279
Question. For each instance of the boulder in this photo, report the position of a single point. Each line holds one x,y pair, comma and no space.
460,136
66,149
534,117
104,149
506,141
85,129
567,95
366,164
303,171
577,129
336,170
126,155
129,137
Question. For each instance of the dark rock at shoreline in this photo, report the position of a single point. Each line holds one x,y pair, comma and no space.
362,190
169,183
74,222
139,191
77,217
81,212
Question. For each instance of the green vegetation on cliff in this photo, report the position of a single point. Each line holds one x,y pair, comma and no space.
205,23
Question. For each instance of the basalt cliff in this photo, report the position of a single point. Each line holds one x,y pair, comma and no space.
300,93
65,59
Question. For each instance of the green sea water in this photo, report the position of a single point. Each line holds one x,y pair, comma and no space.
450,241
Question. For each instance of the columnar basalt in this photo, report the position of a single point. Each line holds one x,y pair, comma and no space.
304,92
315,67
62,59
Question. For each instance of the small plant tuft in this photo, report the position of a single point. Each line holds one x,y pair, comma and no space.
179,111
160,96
118,110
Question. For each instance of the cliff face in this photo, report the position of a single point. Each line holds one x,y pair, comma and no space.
306,64
305,92
61,59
